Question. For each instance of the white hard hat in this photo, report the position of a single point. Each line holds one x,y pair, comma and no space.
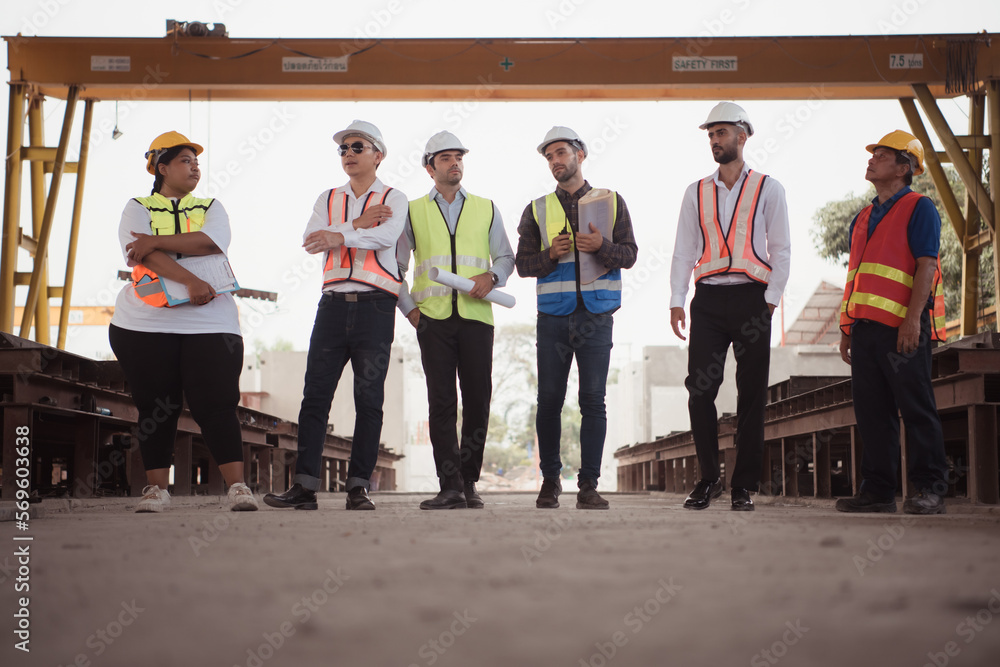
728,112
364,129
561,133
442,141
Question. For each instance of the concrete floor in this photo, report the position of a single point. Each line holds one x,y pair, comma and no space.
646,583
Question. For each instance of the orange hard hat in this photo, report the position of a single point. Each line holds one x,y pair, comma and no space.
163,142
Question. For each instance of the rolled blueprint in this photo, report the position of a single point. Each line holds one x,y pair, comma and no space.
449,279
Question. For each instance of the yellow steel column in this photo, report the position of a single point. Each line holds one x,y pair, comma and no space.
36,138
955,153
34,289
11,205
993,93
970,259
74,230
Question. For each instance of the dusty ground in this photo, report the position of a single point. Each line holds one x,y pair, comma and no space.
646,583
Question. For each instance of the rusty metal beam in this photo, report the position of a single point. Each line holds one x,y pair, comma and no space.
172,68
35,288
74,230
970,258
973,185
993,97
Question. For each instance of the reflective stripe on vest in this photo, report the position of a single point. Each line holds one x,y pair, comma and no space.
881,269
556,292
466,253
732,252
357,265
165,219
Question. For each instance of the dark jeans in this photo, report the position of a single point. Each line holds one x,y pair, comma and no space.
587,336
885,385
360,332
724,315
164,368
464,347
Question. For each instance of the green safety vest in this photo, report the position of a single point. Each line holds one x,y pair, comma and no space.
466,253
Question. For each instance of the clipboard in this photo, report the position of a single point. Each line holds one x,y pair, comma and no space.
213,269
597,207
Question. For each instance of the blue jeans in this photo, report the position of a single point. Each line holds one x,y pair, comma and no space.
587,336
360,332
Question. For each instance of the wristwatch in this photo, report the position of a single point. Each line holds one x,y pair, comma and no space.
494,278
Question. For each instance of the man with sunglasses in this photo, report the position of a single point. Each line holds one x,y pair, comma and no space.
454,231
575,313
356,227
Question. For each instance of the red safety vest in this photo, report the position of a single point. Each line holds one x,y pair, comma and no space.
881,270
731,252
357,265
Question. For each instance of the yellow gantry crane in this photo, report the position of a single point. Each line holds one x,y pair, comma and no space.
915,69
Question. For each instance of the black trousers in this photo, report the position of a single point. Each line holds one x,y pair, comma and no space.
724,315
463,347
887,385
164,368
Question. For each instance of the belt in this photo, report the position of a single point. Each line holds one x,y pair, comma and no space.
353,297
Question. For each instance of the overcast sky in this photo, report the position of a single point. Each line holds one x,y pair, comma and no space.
650,151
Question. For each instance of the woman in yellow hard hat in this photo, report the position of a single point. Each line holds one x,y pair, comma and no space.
191,351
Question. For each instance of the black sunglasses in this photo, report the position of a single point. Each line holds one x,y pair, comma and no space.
357,147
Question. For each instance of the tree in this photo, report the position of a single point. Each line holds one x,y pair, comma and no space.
832,223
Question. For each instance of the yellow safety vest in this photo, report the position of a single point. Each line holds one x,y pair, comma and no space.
166,217
465,253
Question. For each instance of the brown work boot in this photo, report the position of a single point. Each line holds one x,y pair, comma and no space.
588,498
548,497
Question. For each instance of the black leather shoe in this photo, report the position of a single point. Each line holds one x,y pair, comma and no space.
446,500
298,497
742,501
864,502
925,502
357,499
704,492
548,497
588,498
472,497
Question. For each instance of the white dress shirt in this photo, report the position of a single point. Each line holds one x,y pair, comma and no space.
771,238
381,239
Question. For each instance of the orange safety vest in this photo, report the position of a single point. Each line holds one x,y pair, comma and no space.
165,219
732,252
357,265
881,269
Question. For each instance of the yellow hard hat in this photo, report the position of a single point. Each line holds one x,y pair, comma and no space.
902,141
165,141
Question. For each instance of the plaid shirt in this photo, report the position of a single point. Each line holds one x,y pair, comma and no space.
532,262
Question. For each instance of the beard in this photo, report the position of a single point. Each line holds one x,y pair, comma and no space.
727,155
568,172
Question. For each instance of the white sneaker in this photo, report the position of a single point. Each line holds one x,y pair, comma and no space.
241,498
154,499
